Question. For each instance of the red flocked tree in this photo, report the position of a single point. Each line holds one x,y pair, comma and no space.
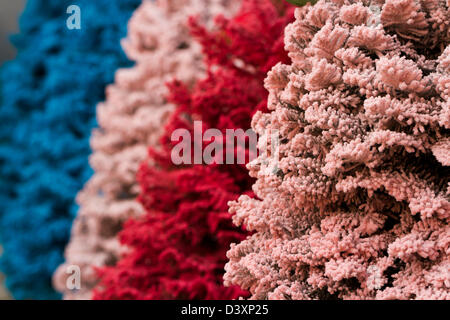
178,249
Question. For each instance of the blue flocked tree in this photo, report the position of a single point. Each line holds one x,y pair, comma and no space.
47,110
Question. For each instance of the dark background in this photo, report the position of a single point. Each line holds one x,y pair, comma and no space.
9,14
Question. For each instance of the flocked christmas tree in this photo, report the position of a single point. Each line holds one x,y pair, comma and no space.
356,206
177,249
49,93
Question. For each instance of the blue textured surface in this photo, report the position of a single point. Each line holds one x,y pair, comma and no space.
49,94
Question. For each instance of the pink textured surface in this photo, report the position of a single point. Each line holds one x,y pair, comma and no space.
357,207
130,120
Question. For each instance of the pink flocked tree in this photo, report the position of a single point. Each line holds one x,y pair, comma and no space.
356,204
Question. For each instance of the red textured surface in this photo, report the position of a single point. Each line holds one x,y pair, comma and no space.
177,250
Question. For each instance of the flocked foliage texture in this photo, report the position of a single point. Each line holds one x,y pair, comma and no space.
130,120
49,93
357,204
177,249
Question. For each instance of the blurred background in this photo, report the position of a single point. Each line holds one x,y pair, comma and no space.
9,13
